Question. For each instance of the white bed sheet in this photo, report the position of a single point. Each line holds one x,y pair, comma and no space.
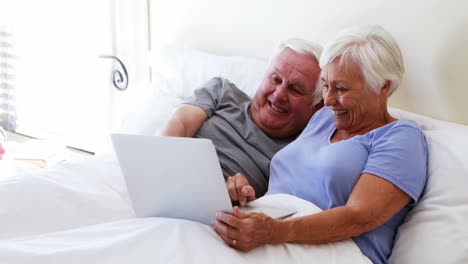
161,240
80,212
69,195
87,197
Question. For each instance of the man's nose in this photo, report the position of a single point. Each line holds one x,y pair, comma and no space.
281,92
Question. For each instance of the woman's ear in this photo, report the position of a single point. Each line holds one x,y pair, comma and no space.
385,91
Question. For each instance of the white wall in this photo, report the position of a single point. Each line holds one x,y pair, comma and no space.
432,34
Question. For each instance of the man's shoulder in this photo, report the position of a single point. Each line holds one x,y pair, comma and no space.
228,89
226,84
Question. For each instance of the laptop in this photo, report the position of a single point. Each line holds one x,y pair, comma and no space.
176,177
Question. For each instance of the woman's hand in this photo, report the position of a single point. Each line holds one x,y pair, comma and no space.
239,189
244,231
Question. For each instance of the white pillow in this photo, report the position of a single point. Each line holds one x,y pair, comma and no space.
146,116
180,71
176,73
436,230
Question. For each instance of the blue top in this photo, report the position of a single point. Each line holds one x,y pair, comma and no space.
325,173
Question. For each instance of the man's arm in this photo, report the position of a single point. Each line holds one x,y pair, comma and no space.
184,121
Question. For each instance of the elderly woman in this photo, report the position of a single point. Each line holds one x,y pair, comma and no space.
361,166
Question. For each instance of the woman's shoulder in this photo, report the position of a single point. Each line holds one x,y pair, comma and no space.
406,124
399,126
399,132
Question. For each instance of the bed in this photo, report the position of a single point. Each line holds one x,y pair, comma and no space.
79,211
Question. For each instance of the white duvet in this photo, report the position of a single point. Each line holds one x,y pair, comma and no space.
79,212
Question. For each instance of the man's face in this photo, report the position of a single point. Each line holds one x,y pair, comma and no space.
282,105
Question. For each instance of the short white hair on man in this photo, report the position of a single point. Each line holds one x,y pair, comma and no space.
301,46
306,47
372,49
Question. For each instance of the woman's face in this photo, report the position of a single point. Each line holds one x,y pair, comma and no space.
357,109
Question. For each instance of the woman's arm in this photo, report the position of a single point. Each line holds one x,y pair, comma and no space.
185,121
373,202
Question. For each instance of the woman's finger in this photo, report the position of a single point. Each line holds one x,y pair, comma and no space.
228,219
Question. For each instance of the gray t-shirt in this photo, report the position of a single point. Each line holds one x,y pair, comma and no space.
241,146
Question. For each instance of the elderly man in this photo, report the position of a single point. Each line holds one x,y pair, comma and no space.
247,133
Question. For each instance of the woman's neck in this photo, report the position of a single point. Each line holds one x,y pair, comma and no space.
382,120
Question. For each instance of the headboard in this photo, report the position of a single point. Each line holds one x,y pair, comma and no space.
433,36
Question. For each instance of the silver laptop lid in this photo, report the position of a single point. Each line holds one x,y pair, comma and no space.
172,176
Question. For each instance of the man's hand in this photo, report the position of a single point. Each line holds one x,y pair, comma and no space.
239,189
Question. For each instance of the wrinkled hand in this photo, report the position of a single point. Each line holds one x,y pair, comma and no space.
239,189
244,231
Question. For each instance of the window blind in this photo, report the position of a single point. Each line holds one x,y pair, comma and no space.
7,81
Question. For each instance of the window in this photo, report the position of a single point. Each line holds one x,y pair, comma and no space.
63,89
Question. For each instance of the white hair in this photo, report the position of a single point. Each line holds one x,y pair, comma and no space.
301,46
373,50
306,47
